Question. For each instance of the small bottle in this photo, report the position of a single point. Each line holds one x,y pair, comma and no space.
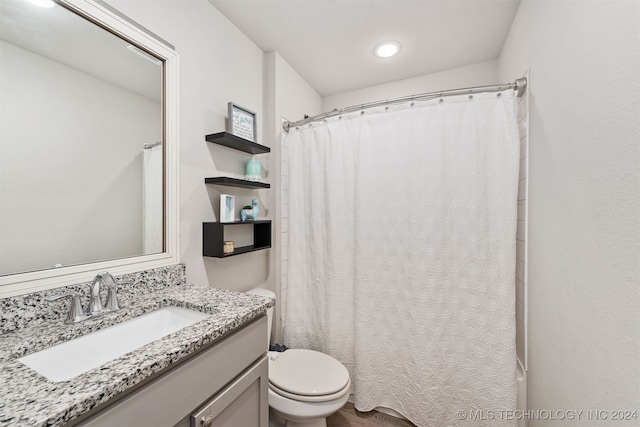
228,247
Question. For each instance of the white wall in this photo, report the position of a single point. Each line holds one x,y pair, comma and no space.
287,96
63,192
484,73
217,64
583,235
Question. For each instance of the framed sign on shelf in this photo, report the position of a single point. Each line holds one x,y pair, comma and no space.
227,208
242,122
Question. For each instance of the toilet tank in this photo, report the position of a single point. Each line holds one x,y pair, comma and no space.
269,294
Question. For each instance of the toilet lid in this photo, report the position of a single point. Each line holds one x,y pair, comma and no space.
308,373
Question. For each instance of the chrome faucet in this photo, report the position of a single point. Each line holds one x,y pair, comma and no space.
95,303
103,278
112,289
95,308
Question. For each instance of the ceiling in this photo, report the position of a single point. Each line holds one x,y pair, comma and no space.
54,34
330,42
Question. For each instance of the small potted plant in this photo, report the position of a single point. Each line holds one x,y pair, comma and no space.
250,213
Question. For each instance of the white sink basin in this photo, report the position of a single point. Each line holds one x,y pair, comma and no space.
68,359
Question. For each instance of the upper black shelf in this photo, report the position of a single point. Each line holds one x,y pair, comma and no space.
237,143
234,182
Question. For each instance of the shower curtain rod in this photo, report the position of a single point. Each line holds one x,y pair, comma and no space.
520,85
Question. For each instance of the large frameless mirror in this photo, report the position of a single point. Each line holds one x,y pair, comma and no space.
84,129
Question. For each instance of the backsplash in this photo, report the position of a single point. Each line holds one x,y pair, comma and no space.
31,309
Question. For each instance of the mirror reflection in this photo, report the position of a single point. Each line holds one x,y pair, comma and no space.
81,131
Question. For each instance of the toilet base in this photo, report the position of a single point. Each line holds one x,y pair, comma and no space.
277,420
293,413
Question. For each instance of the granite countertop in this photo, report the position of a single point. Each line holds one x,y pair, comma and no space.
29,399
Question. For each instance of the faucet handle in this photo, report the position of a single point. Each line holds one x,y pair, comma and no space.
112,295
75,313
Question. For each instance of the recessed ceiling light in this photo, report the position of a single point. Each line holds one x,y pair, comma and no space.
42,3
387,49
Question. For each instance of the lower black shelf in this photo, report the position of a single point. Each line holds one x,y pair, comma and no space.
213,238
241,250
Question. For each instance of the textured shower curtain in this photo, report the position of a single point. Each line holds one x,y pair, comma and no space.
402,233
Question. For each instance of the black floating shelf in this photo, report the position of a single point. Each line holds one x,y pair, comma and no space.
213,238
237,143
241,250
234,182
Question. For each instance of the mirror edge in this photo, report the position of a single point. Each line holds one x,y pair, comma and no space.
111,20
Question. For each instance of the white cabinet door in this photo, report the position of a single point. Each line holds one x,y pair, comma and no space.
244,403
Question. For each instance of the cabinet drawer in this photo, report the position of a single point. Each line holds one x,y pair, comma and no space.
243,403
167,399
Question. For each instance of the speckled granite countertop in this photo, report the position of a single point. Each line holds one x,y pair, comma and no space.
29,399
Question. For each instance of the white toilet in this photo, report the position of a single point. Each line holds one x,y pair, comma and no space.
305,386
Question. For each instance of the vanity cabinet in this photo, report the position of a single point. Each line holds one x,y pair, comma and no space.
225,384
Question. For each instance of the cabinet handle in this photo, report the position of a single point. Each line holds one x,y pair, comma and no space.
206,421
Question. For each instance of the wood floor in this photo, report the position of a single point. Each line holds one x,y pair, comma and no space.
349,416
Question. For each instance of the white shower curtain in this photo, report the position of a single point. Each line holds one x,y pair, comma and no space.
402,255
152,205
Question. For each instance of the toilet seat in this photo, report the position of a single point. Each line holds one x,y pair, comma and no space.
311,399
308,376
